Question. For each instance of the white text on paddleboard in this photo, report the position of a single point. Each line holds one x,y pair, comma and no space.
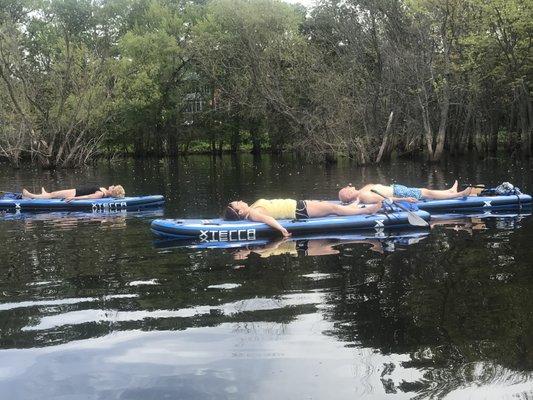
227,235
109,206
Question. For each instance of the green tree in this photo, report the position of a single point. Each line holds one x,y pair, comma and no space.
55,84
253,54
152,76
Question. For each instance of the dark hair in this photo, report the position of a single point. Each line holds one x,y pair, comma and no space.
230,214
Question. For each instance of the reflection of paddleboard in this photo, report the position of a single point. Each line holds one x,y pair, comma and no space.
436,216
475,221
219,230
61,215
93,205
401,237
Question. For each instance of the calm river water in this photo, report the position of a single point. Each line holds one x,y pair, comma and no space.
92,307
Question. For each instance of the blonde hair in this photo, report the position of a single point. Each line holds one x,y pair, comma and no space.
118,191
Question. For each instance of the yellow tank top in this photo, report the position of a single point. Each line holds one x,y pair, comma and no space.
278,208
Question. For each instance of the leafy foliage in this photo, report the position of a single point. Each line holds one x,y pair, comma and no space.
364,79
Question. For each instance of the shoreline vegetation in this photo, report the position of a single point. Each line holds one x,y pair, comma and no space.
367,80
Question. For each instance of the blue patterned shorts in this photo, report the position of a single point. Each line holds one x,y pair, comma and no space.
404,191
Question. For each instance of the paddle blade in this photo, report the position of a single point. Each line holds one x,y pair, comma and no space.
416,220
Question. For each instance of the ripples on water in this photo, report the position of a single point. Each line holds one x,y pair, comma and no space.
92,307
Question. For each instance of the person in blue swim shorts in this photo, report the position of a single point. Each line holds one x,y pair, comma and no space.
395,192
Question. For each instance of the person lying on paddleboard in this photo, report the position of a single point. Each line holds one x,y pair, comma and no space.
268,211
396,192
88,192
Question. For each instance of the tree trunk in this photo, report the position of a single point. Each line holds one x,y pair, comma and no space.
493,142
525,133
235,140
528,111
139,148
384,144
477,136
172,141
428,132
256,142
462,141
441,135
510,131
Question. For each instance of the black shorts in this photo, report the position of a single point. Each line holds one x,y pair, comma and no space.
301,210
86,190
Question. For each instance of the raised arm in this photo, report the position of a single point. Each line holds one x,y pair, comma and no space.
258,216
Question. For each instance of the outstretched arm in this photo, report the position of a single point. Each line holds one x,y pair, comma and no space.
257,216
95,195
407,199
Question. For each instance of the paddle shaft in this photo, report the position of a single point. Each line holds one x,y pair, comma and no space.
413,219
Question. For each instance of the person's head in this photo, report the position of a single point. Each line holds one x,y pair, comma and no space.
348,194
116,191
236,210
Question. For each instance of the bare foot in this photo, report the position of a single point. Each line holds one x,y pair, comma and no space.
26,194
465,192
43,191
453,189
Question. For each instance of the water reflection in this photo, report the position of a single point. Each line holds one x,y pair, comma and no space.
441,308
98,216
380,241
92,312
22,224
258,359
477,221
306,245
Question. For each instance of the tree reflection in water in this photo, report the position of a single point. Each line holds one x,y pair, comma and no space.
93,301
458,305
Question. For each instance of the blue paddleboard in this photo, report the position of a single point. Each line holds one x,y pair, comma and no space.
219,230
92,205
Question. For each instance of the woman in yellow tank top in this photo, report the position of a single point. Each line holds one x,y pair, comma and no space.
268,211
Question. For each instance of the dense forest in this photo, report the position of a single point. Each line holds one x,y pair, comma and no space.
363,79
